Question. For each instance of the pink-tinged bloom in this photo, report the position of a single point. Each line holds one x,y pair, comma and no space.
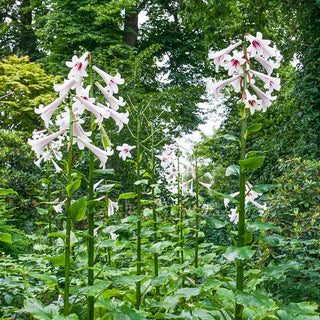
78,132
271,83
173,172
125,151
99,153
112,82
38,145
65,86
48,111
111,207
113,236
259,46
219,56
215,88
269,65
96,185
119,118
58,208
265,98
234,216
186,184
252,103
113,102
97,111
206,185
234,63
165,160
78,67
78,107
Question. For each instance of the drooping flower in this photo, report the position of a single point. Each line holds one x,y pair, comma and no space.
84,93
112,101
98,111
234,63
219,56
65,86
271,83
112,206
234,216
48,111
37,145
78,67
269,65
259,46
113,236
251,102
215,88
125,151
99,153
112,82
165,160
119,118
265,97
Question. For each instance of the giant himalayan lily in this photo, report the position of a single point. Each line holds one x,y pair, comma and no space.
48,111
39,143
99,153
215,88
112,101
259,46
271,83
265,97
219,56
78,67
234,63
125,151
111,82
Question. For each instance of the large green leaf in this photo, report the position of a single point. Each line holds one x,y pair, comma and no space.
39,311
257,225
233,253
4,192
128,195
73,186
256,299
252,163
78,209
230,137
188,292
233,170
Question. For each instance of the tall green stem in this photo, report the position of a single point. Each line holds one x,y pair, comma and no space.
90,301
138,285
154,212
196,250
242,195
68,226
180,224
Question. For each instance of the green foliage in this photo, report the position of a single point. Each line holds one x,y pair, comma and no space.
295,208
24,85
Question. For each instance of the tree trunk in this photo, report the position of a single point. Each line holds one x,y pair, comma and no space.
131,27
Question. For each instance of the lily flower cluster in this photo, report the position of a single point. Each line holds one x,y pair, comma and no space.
238,64
46,146
250,197
169,162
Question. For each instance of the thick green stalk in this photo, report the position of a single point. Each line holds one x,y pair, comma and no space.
196,249
180,228
154,212
242,195
138,285
90,301
68,226
49,200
